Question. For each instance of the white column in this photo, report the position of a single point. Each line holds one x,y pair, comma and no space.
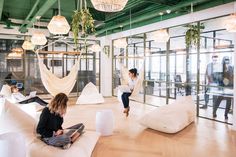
106,68
234,107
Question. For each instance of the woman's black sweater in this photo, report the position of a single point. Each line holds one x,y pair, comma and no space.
48,123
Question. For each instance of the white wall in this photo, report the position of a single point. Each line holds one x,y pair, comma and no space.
106,68
234,107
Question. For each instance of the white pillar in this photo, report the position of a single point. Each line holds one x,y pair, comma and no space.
234,107
106,68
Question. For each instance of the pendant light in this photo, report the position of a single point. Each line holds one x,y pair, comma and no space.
109,5
120,43
161,35
95,48
230,22
27,45
58,24
15,53
38,38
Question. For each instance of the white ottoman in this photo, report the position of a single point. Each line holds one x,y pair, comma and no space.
105,122
12,145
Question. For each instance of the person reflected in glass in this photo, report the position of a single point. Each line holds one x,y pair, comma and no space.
133,75
227,80
213,78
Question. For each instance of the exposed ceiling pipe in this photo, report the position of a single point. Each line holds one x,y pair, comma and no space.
148,15
129,5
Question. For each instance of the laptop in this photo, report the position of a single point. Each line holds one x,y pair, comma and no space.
19,85
32,94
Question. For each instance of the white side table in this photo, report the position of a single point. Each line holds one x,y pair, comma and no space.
105,122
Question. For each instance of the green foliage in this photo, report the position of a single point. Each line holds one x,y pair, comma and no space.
193,35
82,21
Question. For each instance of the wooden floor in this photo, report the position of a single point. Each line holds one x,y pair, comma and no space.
204,138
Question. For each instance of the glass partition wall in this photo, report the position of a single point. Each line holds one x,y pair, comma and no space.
172,69
130,57
24,69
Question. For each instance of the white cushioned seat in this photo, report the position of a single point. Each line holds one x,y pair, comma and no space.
15,119
6,91
171,118
12,144
90,95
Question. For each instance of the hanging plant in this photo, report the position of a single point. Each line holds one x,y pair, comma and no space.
82,21
192,35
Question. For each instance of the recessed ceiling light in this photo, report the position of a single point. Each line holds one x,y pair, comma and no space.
161,13
168,11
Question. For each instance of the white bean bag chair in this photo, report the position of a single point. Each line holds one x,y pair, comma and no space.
15,119
12,145
6,91
30,108
171,118
90,95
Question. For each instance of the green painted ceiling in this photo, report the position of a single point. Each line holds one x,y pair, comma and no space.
142,12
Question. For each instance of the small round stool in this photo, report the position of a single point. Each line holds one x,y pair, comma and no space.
12,145
105,122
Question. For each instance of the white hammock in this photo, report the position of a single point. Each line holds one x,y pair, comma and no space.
55,85
124,81
52,83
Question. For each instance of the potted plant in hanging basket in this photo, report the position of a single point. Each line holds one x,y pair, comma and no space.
192,35
82,21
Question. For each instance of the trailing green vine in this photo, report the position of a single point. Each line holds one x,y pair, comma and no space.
82,21
193,35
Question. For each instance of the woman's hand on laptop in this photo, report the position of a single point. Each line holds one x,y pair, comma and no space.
58,132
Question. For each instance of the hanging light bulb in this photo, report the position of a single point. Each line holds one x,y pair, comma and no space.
109,5
27,45
160,35
120,43
15,53
95,48
58,24
17,50
230,23
38,38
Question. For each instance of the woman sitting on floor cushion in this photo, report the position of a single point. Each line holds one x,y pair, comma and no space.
20,98
50,124
125,96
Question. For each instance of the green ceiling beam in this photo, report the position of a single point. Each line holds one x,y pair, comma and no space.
147,15
29,15
141,12
45,7
1,8
168,16
146,22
